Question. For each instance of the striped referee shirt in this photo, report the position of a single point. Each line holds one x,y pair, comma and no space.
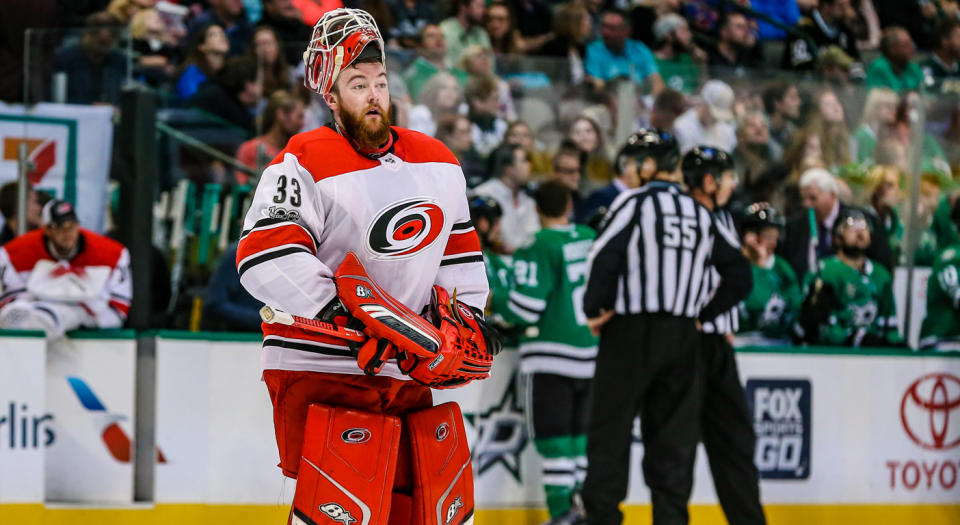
728,322
654,253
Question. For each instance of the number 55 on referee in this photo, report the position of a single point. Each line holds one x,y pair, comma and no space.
646,291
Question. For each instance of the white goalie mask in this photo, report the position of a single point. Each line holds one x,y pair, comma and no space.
339,37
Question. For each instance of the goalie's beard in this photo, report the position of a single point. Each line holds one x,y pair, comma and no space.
367,137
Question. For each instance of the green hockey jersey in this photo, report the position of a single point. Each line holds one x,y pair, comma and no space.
500,278
941,326
773,304
547,297
864,304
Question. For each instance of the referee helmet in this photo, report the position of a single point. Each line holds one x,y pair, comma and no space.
760,216
485,207
704,160
651,143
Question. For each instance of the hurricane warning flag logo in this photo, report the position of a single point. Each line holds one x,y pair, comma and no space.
42,154
405,228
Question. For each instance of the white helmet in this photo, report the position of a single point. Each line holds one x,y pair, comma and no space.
339,37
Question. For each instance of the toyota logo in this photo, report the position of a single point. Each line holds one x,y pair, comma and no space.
930,411
355,435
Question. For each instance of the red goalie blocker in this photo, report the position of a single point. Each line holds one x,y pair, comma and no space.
347,468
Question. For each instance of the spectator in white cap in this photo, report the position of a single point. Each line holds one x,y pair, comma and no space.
681,62
709,123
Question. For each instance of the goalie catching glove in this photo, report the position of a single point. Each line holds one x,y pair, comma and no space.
450,349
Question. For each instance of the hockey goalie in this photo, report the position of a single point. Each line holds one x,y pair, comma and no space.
359,242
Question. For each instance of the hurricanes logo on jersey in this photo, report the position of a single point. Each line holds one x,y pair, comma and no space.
405,228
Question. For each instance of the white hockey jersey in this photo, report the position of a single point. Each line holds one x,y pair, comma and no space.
404,214
97,278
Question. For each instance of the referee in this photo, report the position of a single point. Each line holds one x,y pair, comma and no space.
727,431
646,290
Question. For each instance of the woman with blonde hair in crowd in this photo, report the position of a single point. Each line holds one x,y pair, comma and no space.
154,47
882,188
828,121
441,95
586,136
880,110
125,9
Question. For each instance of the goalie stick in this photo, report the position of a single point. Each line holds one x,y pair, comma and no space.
273,316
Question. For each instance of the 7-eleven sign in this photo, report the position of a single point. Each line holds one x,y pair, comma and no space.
42,154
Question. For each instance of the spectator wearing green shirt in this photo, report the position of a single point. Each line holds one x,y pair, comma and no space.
895,69
679,60
879,110
464,29
431,60
942,69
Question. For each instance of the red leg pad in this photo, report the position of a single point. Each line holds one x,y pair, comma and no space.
347,467
442,475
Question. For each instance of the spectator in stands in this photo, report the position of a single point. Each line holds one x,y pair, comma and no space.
440,96
464,29
819,190
205,59
709,123
864,24
478,61
614,55
585,134
736,49
519,134
124,10
679,60
274,71
505,38
942,69
8,209
918,16
483,102
511,172
454,131
895,69
228,305
828,119
233,94
534,21
825,27
63,277
566,169
286,21
95,69
571,29
834,67
643,15
880,110
941,326
781,102
757,158
804,153
154,46
410,19
882,187
849,300
667,107
784,11
282,119
429,61
231,17
626,177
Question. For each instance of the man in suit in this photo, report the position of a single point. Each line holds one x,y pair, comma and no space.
819,189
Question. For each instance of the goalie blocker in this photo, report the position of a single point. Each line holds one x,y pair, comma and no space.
350,459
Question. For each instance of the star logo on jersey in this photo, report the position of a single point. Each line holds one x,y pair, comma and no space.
404,228
501,434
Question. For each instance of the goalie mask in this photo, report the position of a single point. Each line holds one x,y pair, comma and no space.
339,38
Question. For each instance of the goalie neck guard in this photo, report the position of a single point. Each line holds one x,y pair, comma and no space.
339,38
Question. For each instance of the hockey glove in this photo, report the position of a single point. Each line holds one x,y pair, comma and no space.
817,307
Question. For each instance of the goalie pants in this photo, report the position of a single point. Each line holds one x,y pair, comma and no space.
291,392
557,410
727,433
646,365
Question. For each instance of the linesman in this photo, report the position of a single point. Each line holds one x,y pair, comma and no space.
646,290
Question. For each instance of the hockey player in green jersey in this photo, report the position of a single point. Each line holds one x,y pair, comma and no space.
485,214
557,350
849,301
772,307
941,327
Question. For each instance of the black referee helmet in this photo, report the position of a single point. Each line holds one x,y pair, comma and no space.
650,143
703,160
760,216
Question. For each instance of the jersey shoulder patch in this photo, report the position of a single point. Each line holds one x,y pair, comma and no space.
324,153
415,147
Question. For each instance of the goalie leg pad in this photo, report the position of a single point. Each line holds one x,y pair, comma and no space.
347,467
442,475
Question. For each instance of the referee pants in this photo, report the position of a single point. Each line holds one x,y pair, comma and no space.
646,365
728,435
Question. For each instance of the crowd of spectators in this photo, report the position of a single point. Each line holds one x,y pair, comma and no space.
524,91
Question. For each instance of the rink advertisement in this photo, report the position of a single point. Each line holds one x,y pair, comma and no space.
25,425
68,148
780,411
90,397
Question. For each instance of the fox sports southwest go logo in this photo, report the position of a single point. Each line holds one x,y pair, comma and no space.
930,416
405,228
